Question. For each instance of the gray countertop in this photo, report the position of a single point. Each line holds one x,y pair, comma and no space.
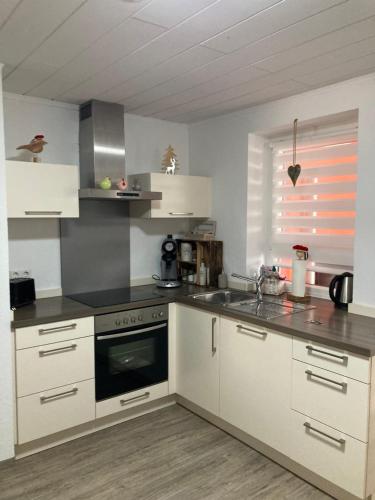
338,328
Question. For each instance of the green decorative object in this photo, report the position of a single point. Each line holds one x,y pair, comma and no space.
295,169
106,183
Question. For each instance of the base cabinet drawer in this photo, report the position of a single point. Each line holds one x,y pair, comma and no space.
335,456
32,336
340,402
335,360
54,365
52,411
131,399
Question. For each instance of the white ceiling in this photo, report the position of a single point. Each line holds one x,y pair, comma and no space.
183,60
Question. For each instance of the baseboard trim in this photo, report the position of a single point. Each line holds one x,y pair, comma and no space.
362,310
274,455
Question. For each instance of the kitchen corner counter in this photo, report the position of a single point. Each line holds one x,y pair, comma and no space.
338,328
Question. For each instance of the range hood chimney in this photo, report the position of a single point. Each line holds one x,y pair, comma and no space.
102,152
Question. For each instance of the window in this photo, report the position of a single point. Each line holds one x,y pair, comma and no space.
320,210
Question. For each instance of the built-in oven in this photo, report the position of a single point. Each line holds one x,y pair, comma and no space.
131,350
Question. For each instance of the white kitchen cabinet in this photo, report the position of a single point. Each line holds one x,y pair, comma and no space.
41,190
131,399
337,457
197,357
335,400
45,367
332,359
255,381
184,196
54,370
47,412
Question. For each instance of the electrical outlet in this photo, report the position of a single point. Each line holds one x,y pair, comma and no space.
23,273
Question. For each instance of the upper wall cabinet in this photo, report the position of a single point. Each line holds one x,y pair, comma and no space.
42,190
183,196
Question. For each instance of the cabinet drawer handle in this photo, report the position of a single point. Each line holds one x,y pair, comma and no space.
181,213
311,350
57,350
251,330
43,212
213,347
46,399
135,398
343,385
42,331
310,428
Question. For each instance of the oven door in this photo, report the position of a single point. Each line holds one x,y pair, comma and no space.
130,359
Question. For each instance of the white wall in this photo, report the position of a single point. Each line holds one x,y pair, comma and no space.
219,147
34,245
6,357
146,140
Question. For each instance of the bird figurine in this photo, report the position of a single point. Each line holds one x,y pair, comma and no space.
35,146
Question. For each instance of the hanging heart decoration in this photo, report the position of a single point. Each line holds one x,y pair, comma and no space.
295,169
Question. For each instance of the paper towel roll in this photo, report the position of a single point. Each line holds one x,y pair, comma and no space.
299,278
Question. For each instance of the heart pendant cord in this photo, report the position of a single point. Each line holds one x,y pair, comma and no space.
294,141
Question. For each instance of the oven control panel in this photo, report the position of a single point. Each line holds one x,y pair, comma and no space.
130,318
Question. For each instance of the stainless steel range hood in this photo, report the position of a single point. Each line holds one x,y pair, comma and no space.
102,152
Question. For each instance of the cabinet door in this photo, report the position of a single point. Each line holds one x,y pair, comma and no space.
183,196
255,381
37,190
197,357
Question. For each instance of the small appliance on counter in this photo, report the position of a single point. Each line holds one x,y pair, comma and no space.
22,292
168,264
341,290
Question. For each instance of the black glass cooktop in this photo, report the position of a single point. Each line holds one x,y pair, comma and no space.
103,298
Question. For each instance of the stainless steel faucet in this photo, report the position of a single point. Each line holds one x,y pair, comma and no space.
258,280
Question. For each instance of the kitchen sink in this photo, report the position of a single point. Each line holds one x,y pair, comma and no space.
246,302
223,297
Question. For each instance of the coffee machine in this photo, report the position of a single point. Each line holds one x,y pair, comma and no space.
168,264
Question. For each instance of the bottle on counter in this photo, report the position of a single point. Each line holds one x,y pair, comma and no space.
203,275
222,280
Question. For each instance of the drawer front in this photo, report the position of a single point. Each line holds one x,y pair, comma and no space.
52,411
32,336
131,399
54,365
341,462
350,365
337,401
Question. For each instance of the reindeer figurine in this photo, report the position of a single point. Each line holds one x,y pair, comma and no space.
170,170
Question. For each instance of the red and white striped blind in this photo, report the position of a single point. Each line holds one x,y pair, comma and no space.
320,210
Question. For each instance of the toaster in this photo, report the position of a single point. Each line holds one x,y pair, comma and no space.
22,292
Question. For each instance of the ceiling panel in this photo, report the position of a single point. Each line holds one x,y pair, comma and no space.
168,13
168,45
6,9
227,13
263,95
341,38
359,66
200,93
186,59
172,68
269,21
235,91
124,39
29,25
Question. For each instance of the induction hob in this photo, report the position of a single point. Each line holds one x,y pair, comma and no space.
104,298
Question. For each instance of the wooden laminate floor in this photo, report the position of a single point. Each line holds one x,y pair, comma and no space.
170,454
